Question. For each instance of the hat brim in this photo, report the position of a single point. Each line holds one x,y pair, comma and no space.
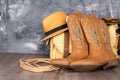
54,34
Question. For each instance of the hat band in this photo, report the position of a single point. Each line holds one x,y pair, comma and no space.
56,29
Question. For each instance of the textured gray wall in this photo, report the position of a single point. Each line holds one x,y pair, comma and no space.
20,20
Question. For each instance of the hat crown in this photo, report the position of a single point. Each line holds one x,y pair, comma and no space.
53,21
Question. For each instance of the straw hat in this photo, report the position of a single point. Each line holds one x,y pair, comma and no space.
54,24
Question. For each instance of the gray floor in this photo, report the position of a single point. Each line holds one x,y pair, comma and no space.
10,70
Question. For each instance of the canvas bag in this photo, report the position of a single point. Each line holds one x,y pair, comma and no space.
113,25
59,45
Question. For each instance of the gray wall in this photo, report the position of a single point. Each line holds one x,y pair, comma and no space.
20,20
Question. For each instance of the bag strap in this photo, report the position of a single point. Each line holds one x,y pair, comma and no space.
66,44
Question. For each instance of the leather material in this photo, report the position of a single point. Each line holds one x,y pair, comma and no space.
91,47
79,44
100,52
